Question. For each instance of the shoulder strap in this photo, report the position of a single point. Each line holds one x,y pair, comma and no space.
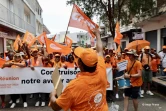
141,57
163,58
131,67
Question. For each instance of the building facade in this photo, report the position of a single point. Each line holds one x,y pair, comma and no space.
17,17
79,38
154,25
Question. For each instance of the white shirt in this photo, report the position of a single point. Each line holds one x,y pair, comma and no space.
163,58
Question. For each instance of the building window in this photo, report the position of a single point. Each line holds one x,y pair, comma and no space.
123,44
11,5
39,27
27,16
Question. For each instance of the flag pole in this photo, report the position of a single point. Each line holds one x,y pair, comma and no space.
68,23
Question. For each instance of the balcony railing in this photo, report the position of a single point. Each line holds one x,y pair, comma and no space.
149,14
10,17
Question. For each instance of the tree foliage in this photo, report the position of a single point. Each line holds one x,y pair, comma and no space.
113,10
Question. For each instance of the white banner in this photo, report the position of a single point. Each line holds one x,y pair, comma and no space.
25,81
122,65
138,36
110,78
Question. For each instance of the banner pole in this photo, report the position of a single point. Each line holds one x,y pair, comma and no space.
68,23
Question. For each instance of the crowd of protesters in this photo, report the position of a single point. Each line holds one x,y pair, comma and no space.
147,60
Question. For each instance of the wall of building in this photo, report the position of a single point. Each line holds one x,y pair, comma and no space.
151,26
13,15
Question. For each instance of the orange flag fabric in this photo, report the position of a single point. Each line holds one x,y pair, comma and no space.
52,46
91,33
29,39
68,41
16,42
118,35
41,39
53,39
79,20
2,61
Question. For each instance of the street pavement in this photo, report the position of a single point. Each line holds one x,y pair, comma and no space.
148,103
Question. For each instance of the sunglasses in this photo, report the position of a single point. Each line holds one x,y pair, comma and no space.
17,56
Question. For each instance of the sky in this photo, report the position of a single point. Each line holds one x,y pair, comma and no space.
56,15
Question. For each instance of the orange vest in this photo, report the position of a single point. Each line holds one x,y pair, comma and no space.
37,63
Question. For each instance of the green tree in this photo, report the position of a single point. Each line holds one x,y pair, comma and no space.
113,10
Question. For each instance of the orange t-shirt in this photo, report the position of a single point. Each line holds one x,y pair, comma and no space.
154,64
2,62
70,65
87,92
158,61
137,66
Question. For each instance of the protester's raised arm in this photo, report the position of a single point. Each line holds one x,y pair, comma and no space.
99,45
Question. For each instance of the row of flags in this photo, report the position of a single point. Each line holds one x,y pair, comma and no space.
77,20
51,45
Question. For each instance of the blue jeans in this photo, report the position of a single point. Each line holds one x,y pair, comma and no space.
162,72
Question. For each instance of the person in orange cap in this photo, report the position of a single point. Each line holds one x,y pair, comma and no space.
88,91
162,55
146,59
37,61
57,62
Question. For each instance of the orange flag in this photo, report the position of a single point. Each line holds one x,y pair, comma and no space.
2,61
68,41
16,42
79,20
53,39
29,39
41,39
91,33
118,35
52,46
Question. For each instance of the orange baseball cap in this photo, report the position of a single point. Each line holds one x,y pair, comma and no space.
78,51
89,57
164,47
147,47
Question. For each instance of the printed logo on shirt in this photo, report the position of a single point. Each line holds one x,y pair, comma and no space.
96,100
